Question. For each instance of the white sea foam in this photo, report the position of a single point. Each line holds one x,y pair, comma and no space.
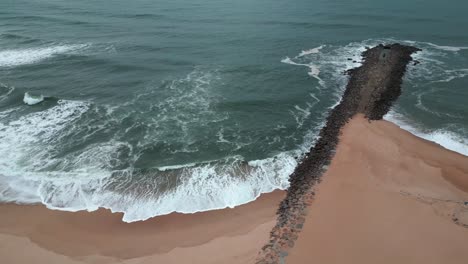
83,180
6,91
25,146
185,107
420,44
287,60
446,48
17,57
443,137
314,70
326,63
174,167
221,138
207,187
32,99
24,142
310,51
451,75
333,60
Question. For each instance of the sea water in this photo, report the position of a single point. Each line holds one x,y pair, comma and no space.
159,106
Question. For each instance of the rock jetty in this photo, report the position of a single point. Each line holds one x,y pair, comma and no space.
371,90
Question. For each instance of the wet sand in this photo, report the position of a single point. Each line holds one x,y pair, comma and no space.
34,234
387,197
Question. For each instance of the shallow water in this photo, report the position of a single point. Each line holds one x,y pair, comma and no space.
159,106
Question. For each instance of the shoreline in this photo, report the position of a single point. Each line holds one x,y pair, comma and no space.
102,237
236,235
362,191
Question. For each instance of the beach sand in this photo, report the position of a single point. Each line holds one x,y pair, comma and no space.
34,234
388,197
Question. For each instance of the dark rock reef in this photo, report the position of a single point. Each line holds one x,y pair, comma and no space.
371,90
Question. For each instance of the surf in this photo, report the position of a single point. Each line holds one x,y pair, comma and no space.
30,99
104,175
26,56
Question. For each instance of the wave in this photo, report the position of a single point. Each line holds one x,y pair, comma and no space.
144,194
327,62
332,59
442,136
34,168
183,108
439,47
5,91
30,99
18,57
310,51
85,180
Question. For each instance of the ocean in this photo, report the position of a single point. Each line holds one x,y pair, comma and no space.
152,107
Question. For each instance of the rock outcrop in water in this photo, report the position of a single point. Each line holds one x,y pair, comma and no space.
371,90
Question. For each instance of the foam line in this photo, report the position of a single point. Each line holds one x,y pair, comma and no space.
18,57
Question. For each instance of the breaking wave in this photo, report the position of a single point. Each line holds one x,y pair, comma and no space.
443,136
18,57
37,166
30,99
88,176
5,91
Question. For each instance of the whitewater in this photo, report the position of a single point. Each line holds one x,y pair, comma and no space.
105,174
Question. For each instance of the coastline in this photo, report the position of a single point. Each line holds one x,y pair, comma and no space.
388,197
372,206
51,236
367,191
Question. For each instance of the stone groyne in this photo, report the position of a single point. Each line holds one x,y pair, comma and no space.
371,90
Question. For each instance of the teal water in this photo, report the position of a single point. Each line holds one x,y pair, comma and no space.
149,107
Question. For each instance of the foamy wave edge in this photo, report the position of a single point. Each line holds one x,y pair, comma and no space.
25,56
199,188
444,138
138,194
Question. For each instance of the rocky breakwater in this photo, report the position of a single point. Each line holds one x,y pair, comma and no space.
371,90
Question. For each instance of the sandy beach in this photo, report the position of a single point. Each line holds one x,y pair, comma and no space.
387,197
34,234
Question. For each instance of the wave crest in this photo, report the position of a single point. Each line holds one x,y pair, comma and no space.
18,57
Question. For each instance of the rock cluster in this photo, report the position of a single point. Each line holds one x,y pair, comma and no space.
371,90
